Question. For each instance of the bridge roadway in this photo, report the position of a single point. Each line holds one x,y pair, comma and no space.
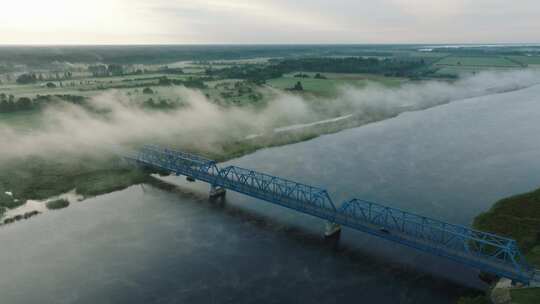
481,250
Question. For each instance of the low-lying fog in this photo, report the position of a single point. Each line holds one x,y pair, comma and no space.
201,124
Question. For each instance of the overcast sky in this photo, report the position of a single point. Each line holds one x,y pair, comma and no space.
268,21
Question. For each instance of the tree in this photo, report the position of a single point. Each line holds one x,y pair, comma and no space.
148,91
24,103
4,106
298,86
98,70
164,81
50,85
26,78
115,69
7,105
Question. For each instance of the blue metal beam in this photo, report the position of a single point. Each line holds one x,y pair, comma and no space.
485,251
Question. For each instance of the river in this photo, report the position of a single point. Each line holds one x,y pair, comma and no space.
149,245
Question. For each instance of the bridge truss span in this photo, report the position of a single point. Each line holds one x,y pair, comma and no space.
485,251
275,187
481,250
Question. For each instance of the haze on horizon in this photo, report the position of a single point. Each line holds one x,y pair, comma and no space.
268,21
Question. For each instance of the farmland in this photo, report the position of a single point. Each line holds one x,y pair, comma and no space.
476,61
329,86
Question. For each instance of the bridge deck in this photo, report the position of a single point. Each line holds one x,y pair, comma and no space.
484,251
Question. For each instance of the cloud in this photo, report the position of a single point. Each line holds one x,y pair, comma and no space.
201,124
265,21
431,9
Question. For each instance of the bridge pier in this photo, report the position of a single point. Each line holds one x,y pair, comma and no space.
217,192
332,230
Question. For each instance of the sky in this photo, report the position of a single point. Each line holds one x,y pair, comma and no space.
268,21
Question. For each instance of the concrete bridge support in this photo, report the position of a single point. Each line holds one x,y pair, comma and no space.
332,230
217,192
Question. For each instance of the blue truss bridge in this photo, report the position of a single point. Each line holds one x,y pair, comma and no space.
480,250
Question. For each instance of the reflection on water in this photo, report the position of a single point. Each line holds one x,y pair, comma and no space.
148,245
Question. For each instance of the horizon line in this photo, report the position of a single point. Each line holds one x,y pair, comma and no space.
269,44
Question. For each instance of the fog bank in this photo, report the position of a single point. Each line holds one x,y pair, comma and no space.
202,125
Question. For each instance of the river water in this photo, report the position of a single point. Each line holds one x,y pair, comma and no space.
149,245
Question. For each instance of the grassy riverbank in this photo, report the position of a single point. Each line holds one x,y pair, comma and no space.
39,178
517,217
525,296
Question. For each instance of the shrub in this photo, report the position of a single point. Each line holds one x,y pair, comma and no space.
148,91
26,79
57,204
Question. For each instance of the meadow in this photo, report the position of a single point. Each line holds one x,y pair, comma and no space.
494,61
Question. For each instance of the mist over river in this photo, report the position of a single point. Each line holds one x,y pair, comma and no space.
149,245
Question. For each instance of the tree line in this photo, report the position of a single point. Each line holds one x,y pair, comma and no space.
8,103
30,78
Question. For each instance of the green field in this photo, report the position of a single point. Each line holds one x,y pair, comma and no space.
88,86
458,70
23,120
535,60
330,86
476,61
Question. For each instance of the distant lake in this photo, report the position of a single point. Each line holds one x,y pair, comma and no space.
147,245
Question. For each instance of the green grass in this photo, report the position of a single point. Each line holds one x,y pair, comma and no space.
517,217
457,70
89,86
526,59
108,180
525,296
533,256
474,300
57,204
42,177
22,120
